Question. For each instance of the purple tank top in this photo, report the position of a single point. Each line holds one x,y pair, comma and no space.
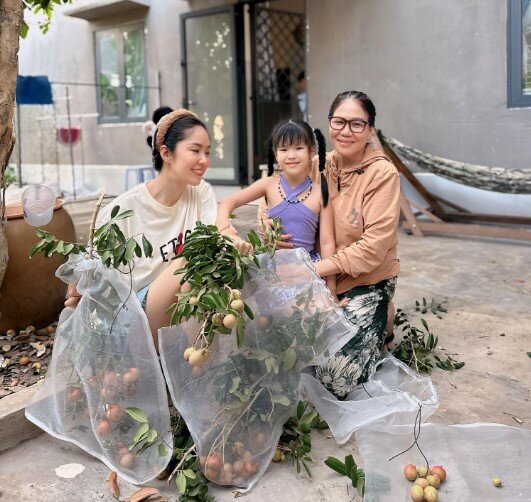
297,218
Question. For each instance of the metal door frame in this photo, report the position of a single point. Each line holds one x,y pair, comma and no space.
253,5
238,83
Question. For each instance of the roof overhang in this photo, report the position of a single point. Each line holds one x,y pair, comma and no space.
93,10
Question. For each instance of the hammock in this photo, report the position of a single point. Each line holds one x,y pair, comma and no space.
495,179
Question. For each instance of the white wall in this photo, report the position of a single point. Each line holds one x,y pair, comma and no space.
435,70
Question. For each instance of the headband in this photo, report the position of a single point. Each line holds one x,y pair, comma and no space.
166,122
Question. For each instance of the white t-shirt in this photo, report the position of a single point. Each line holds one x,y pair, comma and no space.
165,227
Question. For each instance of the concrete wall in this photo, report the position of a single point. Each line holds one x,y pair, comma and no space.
435,70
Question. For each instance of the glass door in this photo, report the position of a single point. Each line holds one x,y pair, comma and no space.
213,86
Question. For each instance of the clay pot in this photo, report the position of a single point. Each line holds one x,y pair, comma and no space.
30,293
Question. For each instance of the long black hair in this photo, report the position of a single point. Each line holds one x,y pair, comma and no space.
292,132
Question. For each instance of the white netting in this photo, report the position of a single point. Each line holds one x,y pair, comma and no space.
472,456
236,404
392,396
104,361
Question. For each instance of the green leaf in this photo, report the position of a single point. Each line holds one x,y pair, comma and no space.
360,486
23,29
180,481
310,417
69,247
235,382
136,414
305,428
119,234
350,466
305,465
248,311
102,229
240,333
140,431
125,214
129,250
529,354
144,447
189,473
36,248
115,211
301,407
290,358
280,399
148,248
151,435
162,450
336,465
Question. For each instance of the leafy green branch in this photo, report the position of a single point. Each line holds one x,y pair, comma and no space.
211,282
192,485
44,7
350,469
434,307
145,436
296,439
108,241
418,347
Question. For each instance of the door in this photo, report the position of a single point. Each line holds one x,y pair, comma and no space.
278,66
214,86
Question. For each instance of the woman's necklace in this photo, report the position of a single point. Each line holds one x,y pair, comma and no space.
296,201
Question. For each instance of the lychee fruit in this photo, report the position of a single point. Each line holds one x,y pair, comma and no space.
410,472
431,494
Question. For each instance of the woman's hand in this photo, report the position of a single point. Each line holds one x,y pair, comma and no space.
72,296
282,244
241,245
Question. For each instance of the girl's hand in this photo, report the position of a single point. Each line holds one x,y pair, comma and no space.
72,296
282,244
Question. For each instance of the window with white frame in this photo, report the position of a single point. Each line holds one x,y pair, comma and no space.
519,53
121,74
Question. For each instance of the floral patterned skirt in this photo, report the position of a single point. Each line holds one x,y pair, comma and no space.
354,363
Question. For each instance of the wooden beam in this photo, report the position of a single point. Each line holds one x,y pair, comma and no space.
425,212
410,217
472,230
492,218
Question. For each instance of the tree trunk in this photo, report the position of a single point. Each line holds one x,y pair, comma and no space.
11,16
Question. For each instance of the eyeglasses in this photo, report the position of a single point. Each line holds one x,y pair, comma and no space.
355,125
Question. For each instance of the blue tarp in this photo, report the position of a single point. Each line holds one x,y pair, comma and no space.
34,90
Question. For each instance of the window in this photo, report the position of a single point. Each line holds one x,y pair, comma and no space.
519,53
121,74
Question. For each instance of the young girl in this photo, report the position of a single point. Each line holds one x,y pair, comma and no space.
297,200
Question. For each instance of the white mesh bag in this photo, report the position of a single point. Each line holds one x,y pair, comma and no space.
103,362
237,402
392,395
472,456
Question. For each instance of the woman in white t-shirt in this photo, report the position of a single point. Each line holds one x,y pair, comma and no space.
166,210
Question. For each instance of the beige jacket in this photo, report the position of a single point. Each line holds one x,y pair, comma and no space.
365,199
